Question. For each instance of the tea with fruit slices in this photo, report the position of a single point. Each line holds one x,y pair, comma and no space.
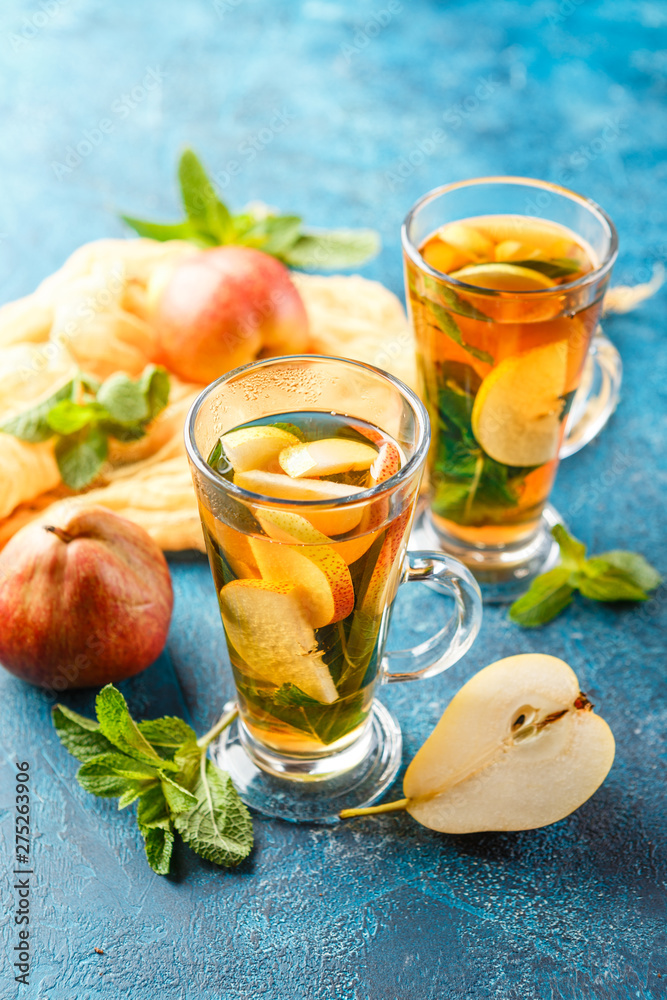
305,592
500,361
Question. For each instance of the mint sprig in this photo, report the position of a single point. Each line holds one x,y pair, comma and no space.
209,223
618,575
162,764
83,414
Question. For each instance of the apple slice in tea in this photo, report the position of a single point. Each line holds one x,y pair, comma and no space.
517,748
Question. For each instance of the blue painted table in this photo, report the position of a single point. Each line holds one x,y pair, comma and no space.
345,112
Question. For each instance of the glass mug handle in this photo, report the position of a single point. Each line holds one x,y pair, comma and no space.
597,396
446,576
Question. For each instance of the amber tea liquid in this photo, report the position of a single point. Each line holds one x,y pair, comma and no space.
305,593
499,369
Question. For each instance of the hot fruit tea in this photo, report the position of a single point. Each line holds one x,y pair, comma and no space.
305,596
499,369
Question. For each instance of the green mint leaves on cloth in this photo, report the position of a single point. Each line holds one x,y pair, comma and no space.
83,414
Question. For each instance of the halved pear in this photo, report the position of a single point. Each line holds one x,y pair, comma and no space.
517,748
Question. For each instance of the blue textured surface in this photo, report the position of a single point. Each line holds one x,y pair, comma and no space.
375,909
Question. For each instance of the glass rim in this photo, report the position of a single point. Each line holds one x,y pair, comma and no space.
600,271
388,486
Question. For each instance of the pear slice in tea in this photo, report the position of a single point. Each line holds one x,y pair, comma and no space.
267,627
517,748
516,416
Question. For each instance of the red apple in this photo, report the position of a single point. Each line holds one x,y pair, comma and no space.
219,308
82,602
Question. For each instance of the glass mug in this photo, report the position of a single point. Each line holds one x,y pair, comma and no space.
513,379
306,586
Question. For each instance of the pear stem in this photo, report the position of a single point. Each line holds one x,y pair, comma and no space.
222,723
64,536
387,807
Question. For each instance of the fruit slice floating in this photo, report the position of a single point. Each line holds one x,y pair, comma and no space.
384,577
467,240
326,457
285,526
510,250
516,416
318,574
267,627
235,545
444,257
550,239
517,748
255,447
387,463
334,522
504,277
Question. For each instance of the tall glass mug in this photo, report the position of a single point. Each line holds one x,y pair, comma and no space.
307,471
505,278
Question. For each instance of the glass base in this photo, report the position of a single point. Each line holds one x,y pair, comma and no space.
312,791
503,572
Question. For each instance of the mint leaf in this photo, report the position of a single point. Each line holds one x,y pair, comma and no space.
67,417
104,777
123,399
602,581
219,827
120,728
196,188
154,383
159,844
203,208
178,798
156,829
451,329
152,809
558,267
166,735
443,294
546,598
572,551
79,735
161,231
274,234
636,567
337,248
81,456
114,771
290,428
33,425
